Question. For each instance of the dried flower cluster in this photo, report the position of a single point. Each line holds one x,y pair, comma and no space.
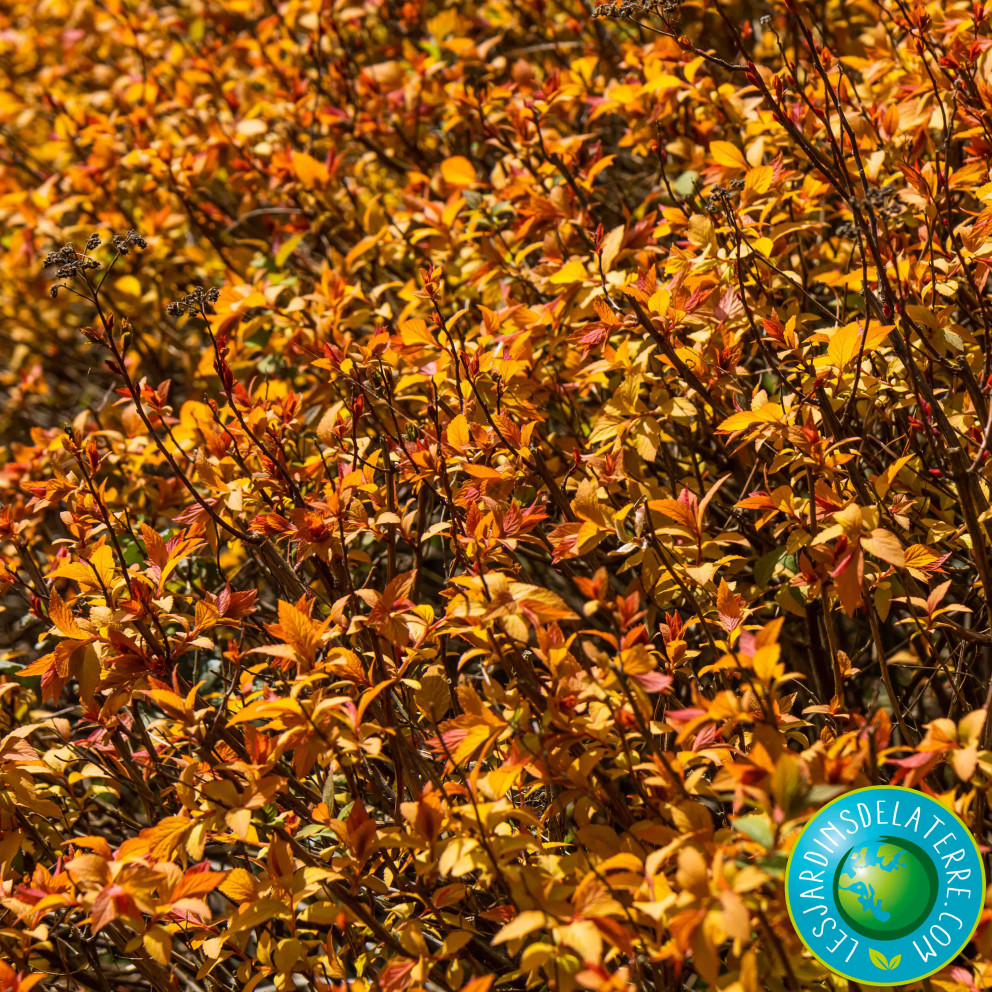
199,301
569,471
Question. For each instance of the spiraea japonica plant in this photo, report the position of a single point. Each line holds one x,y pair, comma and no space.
476,477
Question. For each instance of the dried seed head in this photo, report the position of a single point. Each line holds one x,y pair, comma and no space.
123,243
198,300
627,8
70,262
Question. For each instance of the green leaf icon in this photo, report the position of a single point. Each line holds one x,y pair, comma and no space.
894,962
878,959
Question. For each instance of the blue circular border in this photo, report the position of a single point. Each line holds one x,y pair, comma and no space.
858,965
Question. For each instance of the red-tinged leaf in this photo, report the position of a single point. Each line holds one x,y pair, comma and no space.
729,609
397,975
917,760
756,501
685,715
653,681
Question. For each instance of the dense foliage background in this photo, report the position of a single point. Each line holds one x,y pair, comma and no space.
476,477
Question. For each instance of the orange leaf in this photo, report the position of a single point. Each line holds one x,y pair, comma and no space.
298,631
458,171
309,171
728,606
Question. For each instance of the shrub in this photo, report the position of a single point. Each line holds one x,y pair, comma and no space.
477,477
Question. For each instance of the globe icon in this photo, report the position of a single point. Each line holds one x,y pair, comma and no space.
885,887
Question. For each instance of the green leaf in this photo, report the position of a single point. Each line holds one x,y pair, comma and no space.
894,962
764,567
775,864
878,959
758,828
133,553
686,182
820,794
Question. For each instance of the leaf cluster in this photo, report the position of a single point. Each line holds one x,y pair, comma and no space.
476,478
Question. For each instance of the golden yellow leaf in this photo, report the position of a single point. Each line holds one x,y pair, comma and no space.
521,925
158,943
885,545
611,246
238,821
457,433
759,179
239,885
458,171
165,837
770,413
964,760
845,342
309,171
129,285
727,155
571,272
